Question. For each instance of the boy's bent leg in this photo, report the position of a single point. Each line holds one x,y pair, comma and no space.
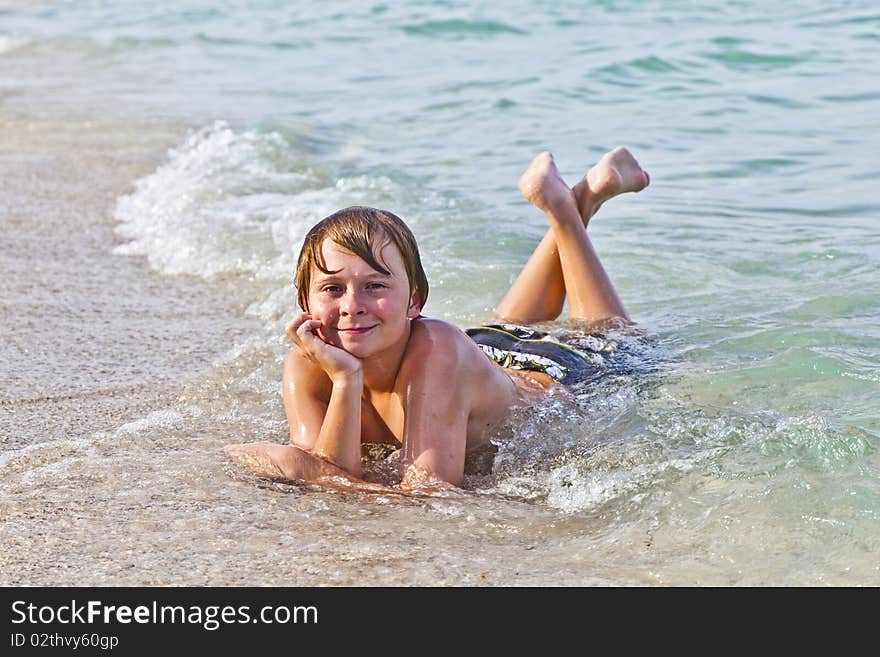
538,293
591,294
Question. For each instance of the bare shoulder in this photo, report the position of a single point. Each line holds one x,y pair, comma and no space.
452,357
434,338
426,326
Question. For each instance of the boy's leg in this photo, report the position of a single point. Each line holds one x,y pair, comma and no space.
538,293
564,261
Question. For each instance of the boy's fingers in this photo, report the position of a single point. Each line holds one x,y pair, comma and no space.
305,335
308,328
295,323
294,326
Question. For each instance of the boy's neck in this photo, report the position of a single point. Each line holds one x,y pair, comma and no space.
380,370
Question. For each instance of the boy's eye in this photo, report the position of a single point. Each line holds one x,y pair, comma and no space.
331,288
374,286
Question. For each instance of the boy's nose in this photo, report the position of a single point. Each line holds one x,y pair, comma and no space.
351,305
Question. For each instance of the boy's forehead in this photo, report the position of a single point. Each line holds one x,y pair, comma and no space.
385,251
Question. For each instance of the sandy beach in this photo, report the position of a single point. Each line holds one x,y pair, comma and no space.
90,339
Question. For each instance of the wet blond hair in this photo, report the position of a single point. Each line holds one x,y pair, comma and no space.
359,229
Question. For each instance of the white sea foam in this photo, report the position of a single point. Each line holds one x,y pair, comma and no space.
164,419
211,208
595,466
10,42
571,489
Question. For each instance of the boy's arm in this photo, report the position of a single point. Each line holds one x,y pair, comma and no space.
316,423
324,416
435,437
435,425
336,422
275,461
321,388
339,440
436,410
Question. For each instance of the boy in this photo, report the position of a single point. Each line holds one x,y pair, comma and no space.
367,367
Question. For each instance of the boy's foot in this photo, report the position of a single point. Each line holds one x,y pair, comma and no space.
542,185
616,173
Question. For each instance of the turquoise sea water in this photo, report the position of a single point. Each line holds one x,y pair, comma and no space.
752,262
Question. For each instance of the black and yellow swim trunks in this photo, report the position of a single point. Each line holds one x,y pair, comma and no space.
521,348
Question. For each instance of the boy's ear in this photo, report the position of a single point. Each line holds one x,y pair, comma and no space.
415,305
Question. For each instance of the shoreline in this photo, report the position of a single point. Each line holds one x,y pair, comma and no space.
91,339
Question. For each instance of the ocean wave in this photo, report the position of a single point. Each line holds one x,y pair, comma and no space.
745,60
577,461
232,202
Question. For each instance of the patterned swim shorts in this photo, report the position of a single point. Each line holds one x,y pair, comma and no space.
521,348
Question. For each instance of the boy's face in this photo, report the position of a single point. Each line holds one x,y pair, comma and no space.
363,311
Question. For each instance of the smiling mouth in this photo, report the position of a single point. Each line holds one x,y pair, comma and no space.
356,331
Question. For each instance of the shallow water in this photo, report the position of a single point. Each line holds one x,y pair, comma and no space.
743,449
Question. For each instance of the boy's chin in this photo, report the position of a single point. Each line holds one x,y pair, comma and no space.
357,348
360,351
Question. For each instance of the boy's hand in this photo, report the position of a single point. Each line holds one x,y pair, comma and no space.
339,365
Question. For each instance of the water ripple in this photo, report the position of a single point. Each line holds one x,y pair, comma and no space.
744,60
461,29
